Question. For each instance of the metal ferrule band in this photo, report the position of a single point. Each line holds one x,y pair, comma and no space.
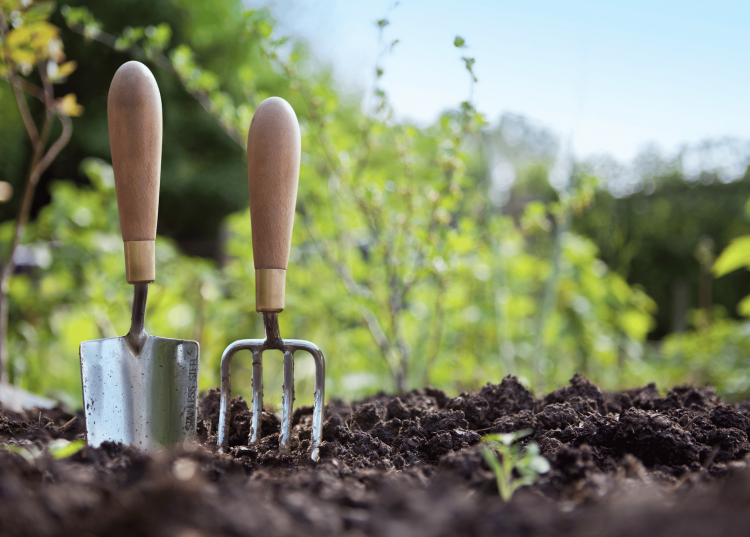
269,290
140,261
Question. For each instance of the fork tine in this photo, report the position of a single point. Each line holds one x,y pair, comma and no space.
320,390
287,403
255,427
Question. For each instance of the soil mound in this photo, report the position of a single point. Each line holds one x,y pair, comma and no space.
628,463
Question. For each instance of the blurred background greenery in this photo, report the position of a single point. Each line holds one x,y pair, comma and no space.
438,254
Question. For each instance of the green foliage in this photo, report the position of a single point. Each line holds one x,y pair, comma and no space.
484,287
78,291
400,270
733,257
715,355
33,42
514,468
403,270
652,237
203,171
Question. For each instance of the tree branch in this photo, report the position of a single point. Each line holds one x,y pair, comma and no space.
23,108
39,165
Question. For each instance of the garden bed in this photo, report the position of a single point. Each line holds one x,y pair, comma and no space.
630,463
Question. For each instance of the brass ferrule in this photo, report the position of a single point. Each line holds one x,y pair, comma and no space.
269,290
140,261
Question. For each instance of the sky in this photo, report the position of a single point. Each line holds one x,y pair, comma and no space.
610,76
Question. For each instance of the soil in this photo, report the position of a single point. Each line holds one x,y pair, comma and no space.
630,463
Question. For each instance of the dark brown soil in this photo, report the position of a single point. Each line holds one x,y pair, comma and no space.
630,463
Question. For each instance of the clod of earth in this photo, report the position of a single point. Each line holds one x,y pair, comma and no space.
629,463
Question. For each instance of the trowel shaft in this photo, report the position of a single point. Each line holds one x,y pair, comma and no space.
137,335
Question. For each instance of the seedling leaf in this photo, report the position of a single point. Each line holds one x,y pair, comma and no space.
60,449
529,465
30,452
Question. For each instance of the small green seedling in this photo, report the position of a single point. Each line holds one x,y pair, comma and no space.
57,449
61,449
529,464
29,453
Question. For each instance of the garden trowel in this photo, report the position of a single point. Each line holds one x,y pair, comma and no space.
273,158
138,389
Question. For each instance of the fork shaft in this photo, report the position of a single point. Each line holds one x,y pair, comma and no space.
273,336
137,337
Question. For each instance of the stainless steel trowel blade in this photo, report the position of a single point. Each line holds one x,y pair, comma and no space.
147,401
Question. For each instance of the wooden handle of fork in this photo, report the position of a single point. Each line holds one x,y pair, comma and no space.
273,155
135,133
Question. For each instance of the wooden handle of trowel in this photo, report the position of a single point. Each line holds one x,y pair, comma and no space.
135,131
273,155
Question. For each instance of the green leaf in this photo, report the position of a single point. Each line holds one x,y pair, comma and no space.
507,439
540,465
99,172
264,29
18,450
459,42
743,308
60,449
635,323
159,36
534,460
734,256
39,12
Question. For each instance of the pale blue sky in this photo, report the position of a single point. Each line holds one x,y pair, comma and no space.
616,75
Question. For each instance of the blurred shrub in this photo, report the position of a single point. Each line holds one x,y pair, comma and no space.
490,303
718,356
402,270
651,237
715,351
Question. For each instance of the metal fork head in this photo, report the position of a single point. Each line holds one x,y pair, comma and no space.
288,347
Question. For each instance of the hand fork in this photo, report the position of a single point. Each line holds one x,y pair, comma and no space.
273,157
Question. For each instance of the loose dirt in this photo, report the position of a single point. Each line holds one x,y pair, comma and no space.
630,463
